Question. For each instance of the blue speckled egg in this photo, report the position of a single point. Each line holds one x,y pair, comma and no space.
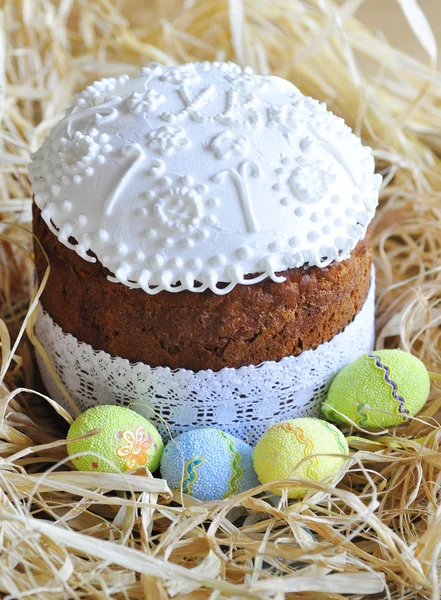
208,464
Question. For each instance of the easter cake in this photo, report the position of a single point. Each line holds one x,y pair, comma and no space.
204,226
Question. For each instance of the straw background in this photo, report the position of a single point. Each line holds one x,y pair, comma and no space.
66,534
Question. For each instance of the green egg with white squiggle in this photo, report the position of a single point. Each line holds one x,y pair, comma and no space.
380,389
208,464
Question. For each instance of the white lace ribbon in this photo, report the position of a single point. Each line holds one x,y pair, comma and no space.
244,401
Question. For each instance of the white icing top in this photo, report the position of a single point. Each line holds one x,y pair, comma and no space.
185,177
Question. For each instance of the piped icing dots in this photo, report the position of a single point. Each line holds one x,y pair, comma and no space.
203,176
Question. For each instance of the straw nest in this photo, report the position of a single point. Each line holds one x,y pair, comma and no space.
67,534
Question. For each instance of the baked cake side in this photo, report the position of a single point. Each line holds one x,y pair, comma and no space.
249,325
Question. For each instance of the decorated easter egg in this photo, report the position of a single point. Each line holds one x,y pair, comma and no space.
124,440
208,464
379,389
290,449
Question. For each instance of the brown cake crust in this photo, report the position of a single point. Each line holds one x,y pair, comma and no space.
249,325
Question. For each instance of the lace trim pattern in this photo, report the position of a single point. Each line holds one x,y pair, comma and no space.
243,402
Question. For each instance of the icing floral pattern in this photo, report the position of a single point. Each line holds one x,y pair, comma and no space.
295,117
146,101
180,207
167,139
99,91
135,448
227,144
185,73
286,117
181,204
78,152
246,79
310,183
307,182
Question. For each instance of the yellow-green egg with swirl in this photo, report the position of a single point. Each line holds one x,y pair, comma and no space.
380,389
303,448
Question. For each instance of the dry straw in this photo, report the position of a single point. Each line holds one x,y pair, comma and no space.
65,534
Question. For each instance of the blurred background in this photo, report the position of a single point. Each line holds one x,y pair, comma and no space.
382,16
386,17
